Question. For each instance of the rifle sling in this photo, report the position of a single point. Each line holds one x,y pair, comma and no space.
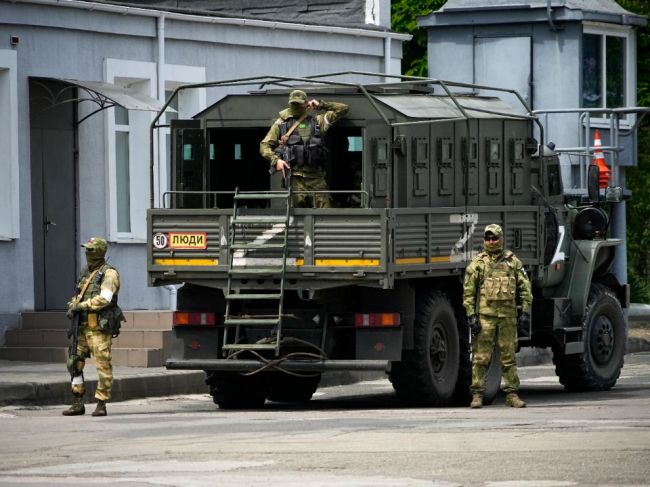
87,283
285,137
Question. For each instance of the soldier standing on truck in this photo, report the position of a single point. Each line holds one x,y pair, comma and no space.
95,304
303,153
494,280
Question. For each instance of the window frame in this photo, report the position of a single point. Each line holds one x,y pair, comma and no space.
141,75
629,99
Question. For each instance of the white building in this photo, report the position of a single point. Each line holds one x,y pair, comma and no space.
78,81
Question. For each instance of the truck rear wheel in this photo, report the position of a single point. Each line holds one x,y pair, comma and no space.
291,388
231,390
598,367
427,375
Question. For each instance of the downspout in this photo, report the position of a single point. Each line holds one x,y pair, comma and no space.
160,72
387,56
549,15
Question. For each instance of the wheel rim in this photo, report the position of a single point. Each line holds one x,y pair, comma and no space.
438,348
602,340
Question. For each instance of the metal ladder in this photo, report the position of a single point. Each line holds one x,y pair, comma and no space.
238,322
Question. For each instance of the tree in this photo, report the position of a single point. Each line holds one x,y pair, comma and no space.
404,14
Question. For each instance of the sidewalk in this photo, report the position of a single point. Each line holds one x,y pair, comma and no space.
49,383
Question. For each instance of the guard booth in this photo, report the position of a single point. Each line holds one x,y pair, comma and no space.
573,61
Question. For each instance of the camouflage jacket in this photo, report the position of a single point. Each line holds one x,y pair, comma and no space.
497,283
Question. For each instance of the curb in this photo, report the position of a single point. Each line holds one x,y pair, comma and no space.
124,389
170,383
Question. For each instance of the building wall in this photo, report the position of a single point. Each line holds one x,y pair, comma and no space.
63,42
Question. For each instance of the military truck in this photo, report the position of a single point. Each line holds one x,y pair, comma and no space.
273,296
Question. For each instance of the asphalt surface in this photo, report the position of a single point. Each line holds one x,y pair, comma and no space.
348,436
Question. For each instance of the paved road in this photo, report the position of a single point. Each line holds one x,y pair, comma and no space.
347,436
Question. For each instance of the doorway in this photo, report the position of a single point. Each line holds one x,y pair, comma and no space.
53,145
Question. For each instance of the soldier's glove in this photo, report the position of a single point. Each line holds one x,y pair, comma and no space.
474,325
71,310
73,307
523,324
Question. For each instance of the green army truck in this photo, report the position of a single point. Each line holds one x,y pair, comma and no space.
274,296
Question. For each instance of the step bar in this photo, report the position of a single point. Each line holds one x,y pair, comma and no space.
232,365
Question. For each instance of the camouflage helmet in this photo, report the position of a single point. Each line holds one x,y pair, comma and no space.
493,246
96,244
297,96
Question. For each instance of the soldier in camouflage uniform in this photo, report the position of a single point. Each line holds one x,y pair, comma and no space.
494,281
302,150
95,303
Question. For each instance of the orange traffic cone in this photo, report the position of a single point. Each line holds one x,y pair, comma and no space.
599,160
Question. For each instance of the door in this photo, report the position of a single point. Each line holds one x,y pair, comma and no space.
504,62
54,196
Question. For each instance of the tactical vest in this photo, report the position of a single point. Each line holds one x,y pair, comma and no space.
498,285
94,289
299,152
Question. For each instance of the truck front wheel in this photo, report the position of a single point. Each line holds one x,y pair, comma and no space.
598,367
427,375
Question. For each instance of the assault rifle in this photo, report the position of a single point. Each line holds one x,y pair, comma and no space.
73,358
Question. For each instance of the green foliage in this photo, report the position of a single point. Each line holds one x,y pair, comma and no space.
640,290
641,7
638,178
404,15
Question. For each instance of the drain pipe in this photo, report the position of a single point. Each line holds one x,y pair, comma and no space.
160,71
549,15
173,295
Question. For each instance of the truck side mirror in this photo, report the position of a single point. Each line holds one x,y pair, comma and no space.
593,176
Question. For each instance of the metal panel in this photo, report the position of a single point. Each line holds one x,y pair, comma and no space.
494,66
347,237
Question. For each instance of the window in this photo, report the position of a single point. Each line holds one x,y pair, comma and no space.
606,68
9,143
122,177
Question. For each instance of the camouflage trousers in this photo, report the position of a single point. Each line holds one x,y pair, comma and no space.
306,200
502,331
97,344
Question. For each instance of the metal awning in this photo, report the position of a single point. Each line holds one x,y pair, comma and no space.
105,95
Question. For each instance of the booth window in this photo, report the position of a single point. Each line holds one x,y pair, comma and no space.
605,70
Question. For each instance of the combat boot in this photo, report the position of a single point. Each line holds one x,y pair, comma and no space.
77,408
100,410
477,401
512,400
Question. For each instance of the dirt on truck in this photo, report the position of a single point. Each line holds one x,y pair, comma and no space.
272,296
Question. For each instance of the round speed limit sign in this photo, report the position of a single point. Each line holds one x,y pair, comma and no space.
160,240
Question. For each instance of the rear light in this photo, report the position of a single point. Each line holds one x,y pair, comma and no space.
183,318
369,320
